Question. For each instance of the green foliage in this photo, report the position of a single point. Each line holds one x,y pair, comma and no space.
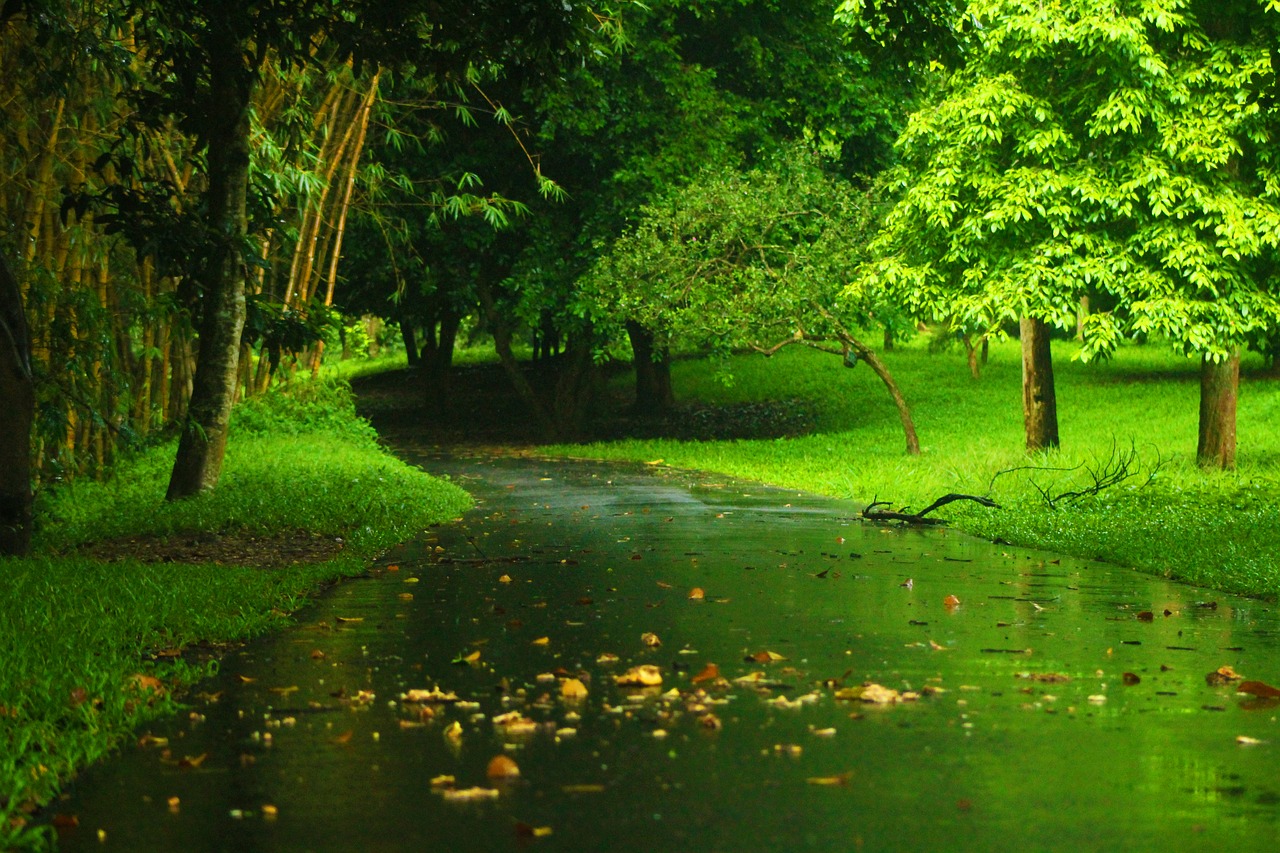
1210,528
737,259
79,631
1113,147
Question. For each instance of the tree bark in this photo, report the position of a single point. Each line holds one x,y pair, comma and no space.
878,367
1039,402
203,440
1219,383
17,412
652,366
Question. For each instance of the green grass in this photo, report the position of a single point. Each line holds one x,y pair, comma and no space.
1216,529
79,632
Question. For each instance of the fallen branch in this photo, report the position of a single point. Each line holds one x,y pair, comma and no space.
873,514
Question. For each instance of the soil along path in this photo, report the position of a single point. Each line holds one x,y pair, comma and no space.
825,684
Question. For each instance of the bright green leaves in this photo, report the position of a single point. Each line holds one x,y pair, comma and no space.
1095,147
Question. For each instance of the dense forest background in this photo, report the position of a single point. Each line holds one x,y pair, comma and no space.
198,199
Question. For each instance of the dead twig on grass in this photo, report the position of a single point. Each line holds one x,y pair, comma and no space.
871,513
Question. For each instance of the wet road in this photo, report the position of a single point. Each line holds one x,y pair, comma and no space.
1046,704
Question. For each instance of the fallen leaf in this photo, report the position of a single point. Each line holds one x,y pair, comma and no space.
435,694
582,789
710,672
270,812
646,675
951,602
191,762
65,821
696,594
502,767
607,658
1258,688
878,694
710,721
541,641
464,660
573,689
1222,675
466,795
343,738
284,691
1245,740
505,579
139,681
443,781
650,639
405,596
766,657
151,740
453,731
1131,678
351,618
664,585
1146,616
244,679
316,654
841,779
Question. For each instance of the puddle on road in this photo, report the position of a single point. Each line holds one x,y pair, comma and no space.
1059,707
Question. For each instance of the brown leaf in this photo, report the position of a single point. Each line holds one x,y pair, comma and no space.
710,672
696,594
766,657
1146,616
951,602
1258,688
664,585
345,737
650,639
1130,679
1222,675
502,767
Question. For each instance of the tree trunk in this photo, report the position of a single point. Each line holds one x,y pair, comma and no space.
1039,403
410,338
878,367
652,366
1219,382
17,412
203,440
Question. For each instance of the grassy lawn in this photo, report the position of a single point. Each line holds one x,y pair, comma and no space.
1217,529
94,647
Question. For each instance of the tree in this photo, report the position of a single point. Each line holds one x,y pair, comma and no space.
751,260
204,63
1113,146
17,411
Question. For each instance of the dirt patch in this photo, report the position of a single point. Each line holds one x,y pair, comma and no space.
225,549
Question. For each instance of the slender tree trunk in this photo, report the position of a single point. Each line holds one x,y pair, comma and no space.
17,412
880,369
652,367
203,440
1039,402
1219,383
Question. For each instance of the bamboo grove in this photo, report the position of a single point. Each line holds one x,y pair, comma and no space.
112,340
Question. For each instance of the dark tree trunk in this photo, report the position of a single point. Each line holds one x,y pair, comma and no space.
652,366
1219,383
437,355
888,339
203,441
410,338
17,412
1039,402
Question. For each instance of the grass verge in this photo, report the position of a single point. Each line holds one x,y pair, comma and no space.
1214,529
92,647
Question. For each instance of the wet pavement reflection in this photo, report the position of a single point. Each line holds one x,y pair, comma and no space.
826,684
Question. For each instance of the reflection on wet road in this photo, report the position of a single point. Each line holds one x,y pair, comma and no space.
1016,701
